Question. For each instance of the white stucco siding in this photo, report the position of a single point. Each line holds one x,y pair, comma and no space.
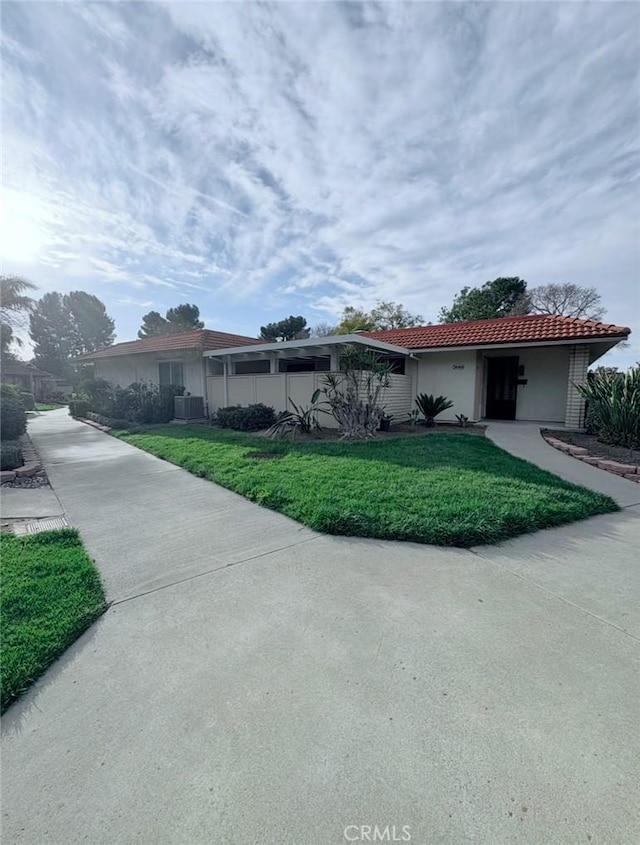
450,374
123,370
546,371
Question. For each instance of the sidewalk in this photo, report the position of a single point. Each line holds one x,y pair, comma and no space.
255,682
146,522
525,441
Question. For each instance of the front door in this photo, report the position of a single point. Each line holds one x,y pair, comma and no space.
502,387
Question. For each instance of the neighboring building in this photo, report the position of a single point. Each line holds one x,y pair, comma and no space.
166,359
30,379
512,368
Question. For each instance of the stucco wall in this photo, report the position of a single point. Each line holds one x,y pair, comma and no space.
125,369
450,374
546,369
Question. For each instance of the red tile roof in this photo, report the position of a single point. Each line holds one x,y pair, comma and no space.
199,339
529,329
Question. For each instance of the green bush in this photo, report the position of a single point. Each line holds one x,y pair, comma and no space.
28,400
614,406
253,418
430,406
140,402
166,401
112,422
13,417
78,408
7,389
10,454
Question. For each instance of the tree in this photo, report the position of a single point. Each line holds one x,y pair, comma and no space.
355,320
6,340
390,315
65,326
385,315
567,299
51,330
503,297
182,318
13,299
92,327
153,324
14,307
323,330
291,328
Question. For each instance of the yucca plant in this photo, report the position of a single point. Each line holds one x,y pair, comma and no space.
430,406
301,420
614,405
355,395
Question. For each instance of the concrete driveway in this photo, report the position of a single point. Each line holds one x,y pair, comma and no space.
254,682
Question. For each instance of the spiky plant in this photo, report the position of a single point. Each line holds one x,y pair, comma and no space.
614,405
430,406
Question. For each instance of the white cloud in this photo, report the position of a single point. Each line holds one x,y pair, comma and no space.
261,159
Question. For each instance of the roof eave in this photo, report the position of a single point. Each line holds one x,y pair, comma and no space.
331,340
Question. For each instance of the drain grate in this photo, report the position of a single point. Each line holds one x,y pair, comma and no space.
46,525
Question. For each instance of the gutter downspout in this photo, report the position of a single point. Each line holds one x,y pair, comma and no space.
225,372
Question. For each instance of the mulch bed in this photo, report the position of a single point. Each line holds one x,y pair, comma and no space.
39,479
332,434
595,447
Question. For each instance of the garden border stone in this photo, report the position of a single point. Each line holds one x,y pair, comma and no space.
629,471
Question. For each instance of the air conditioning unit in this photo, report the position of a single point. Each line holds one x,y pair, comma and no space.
189,407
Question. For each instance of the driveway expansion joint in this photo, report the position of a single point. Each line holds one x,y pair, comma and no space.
558,596
212,571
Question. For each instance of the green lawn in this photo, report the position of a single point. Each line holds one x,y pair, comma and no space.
50,593
444,489
51,407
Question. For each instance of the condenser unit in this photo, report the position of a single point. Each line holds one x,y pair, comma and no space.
189,407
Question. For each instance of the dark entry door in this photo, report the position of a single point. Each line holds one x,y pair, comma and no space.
502,387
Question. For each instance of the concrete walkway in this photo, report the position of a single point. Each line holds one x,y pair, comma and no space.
525,441
254,682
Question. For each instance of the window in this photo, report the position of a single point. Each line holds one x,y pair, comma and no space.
171,372
397,364
261,365
304,365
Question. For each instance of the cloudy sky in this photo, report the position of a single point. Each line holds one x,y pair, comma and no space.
267,159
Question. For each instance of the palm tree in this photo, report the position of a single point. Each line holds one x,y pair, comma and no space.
14,302
13,298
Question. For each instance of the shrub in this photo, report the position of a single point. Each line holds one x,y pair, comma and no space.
430,406
13,417
28,400
78,408
7,389
166,401
112,422
97,393
355,394
614,406
50,396
301,419
10,454
140,402
252,418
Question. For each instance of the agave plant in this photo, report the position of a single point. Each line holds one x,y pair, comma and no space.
614,405
430,406
301,420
